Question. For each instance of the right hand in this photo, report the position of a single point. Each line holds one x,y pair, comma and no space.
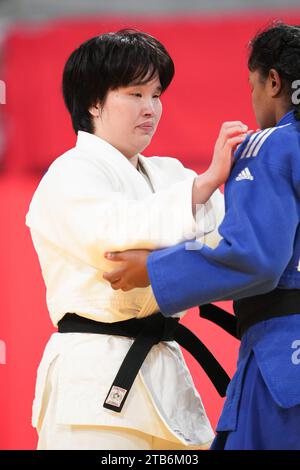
232,134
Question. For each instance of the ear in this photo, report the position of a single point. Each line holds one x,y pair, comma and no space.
94,110
275,83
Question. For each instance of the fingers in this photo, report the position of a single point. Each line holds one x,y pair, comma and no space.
231,129
113,276
131,272
127,288
117,281
232,135
234,130
233,142
114,279
120,284
114,256
229,124
116,285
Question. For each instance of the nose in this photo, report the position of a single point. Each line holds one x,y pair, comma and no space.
148,108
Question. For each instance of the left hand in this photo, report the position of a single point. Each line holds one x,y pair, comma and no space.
132,272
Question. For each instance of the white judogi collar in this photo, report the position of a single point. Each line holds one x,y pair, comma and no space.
93,146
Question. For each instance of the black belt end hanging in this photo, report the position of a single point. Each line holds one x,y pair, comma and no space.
220,317
116,398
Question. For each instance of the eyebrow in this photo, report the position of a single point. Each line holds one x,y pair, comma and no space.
133,85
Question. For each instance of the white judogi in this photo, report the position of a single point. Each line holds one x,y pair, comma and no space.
92,200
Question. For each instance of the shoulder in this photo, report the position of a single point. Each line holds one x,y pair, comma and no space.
73,173
75,163
277,146
72,160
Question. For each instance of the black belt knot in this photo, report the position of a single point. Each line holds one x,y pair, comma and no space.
161,328
147,332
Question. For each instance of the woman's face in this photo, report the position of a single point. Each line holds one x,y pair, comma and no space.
129,117
262,100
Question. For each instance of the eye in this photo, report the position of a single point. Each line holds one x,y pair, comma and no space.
138,95
156,96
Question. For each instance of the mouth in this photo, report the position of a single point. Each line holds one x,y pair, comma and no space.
148,127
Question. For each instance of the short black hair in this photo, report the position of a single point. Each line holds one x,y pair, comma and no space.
278,47
107,62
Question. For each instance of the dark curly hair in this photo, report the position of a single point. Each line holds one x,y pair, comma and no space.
278,47
107,62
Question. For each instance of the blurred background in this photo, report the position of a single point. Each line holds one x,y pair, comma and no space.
208,42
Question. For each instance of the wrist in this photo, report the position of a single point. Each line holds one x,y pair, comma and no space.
205,185
210,179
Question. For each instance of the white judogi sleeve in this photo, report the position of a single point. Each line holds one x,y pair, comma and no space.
77,208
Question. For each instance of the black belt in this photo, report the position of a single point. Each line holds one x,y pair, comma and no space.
147,332
252,310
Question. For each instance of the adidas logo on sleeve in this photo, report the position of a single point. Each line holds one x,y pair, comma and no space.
244,175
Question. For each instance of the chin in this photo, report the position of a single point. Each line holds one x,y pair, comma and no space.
143,143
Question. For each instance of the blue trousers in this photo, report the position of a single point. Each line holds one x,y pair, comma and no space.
262,424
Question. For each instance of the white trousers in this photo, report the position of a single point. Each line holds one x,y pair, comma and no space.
55,436
103,438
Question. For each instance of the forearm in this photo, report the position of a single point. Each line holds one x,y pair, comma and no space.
247,260
204,186
182,279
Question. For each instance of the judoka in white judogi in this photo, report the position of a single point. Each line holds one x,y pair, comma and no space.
92,200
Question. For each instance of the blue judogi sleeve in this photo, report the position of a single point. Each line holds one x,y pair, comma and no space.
262,215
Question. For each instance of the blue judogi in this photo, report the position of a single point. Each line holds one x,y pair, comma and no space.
260,251
262,408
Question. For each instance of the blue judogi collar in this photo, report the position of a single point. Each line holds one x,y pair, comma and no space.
287,119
